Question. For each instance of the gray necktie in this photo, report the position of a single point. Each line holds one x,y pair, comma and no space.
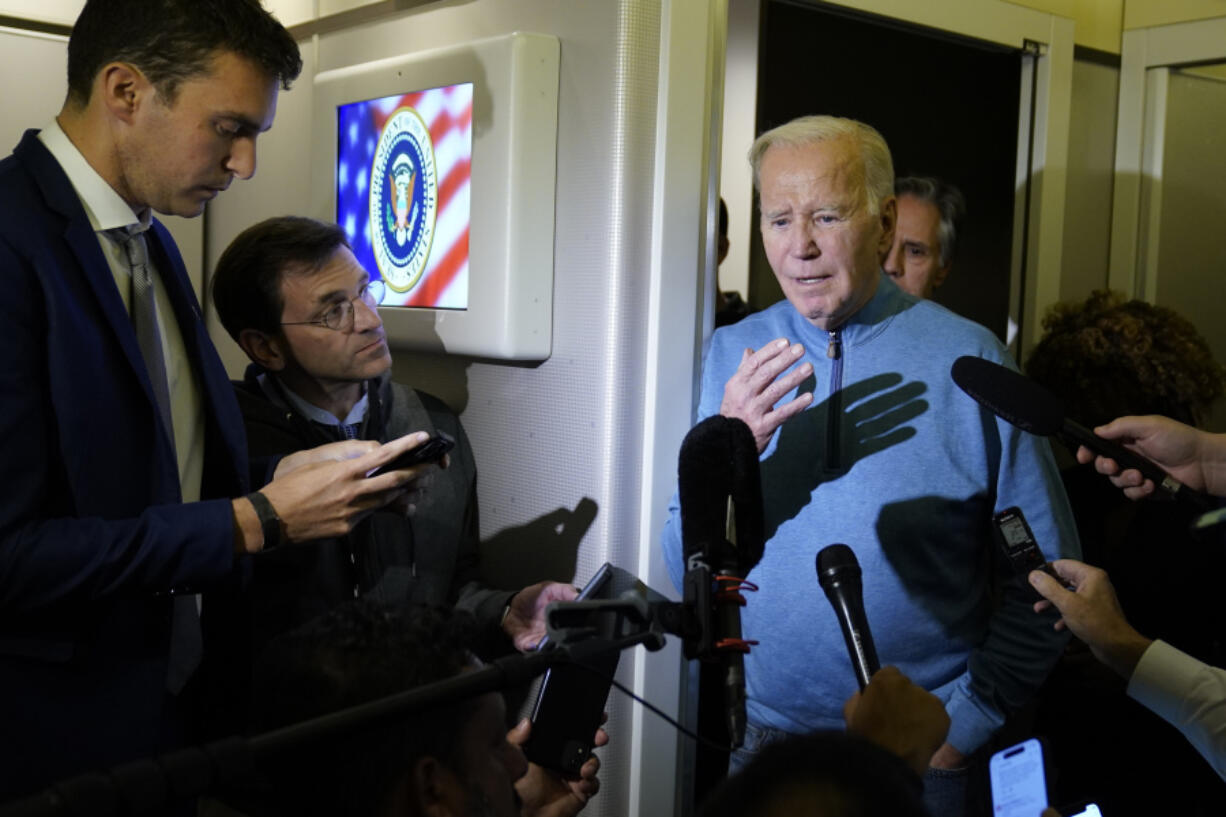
143,308
186,646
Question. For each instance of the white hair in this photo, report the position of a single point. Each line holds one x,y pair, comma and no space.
874,153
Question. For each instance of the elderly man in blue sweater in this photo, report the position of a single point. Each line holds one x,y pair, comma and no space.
865,440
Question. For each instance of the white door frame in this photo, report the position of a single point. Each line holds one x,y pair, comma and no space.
1145,59
685,206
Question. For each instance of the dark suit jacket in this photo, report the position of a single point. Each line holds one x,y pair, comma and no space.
92,530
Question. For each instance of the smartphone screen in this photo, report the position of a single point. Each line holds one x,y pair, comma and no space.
1019,782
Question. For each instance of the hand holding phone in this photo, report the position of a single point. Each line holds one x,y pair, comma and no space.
570,704
432,450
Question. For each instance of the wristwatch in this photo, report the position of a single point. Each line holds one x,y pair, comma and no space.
270,523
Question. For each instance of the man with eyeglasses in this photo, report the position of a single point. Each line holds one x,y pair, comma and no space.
291,293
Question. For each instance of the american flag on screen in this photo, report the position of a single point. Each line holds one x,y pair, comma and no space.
403,192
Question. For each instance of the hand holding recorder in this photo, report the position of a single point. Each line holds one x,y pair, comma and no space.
1091,611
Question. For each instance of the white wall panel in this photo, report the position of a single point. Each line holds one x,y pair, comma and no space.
62,12
34,105
596,427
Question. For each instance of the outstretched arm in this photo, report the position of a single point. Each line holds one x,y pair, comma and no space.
1195,458
1187,693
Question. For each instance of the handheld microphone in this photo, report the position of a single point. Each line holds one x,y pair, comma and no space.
720,492
838,573
1021,402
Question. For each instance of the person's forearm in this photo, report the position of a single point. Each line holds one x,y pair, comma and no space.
1213,462
1188,694
1123,652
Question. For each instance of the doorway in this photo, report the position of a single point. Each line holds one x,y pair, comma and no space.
947,105
1169,175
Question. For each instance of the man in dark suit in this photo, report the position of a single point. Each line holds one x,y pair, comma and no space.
123,449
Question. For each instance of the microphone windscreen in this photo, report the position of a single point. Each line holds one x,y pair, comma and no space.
1013,397
704,480
718,460
835,562
747,494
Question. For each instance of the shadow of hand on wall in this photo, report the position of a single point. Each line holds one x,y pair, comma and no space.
545,548
872,416
950,577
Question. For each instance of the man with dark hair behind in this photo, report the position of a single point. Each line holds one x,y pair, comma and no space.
929,213
124,471
293,296
1104,357
456,760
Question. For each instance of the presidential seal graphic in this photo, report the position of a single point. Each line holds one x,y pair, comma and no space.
403,199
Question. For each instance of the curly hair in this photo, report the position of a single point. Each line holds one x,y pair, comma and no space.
359,652
1107,357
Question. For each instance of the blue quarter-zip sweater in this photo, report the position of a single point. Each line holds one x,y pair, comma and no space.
895,461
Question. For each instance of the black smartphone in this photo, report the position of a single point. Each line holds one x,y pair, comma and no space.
570,702
1019,545
432,450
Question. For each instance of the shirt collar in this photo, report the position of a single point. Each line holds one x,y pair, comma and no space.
868,320
281,394
105,208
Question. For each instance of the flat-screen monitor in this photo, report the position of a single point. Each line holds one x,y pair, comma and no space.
440,167
403,167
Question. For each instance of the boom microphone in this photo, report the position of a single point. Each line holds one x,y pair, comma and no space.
838,573
720,493
1021,402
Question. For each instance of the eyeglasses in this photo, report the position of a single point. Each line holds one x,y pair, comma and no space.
340,315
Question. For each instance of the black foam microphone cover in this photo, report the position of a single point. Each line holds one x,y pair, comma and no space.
838,572
1014,398
1025,404
718,460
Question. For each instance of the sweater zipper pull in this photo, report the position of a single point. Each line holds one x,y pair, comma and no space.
834,346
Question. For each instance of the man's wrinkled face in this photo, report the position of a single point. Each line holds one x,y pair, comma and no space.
914,260
820,238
